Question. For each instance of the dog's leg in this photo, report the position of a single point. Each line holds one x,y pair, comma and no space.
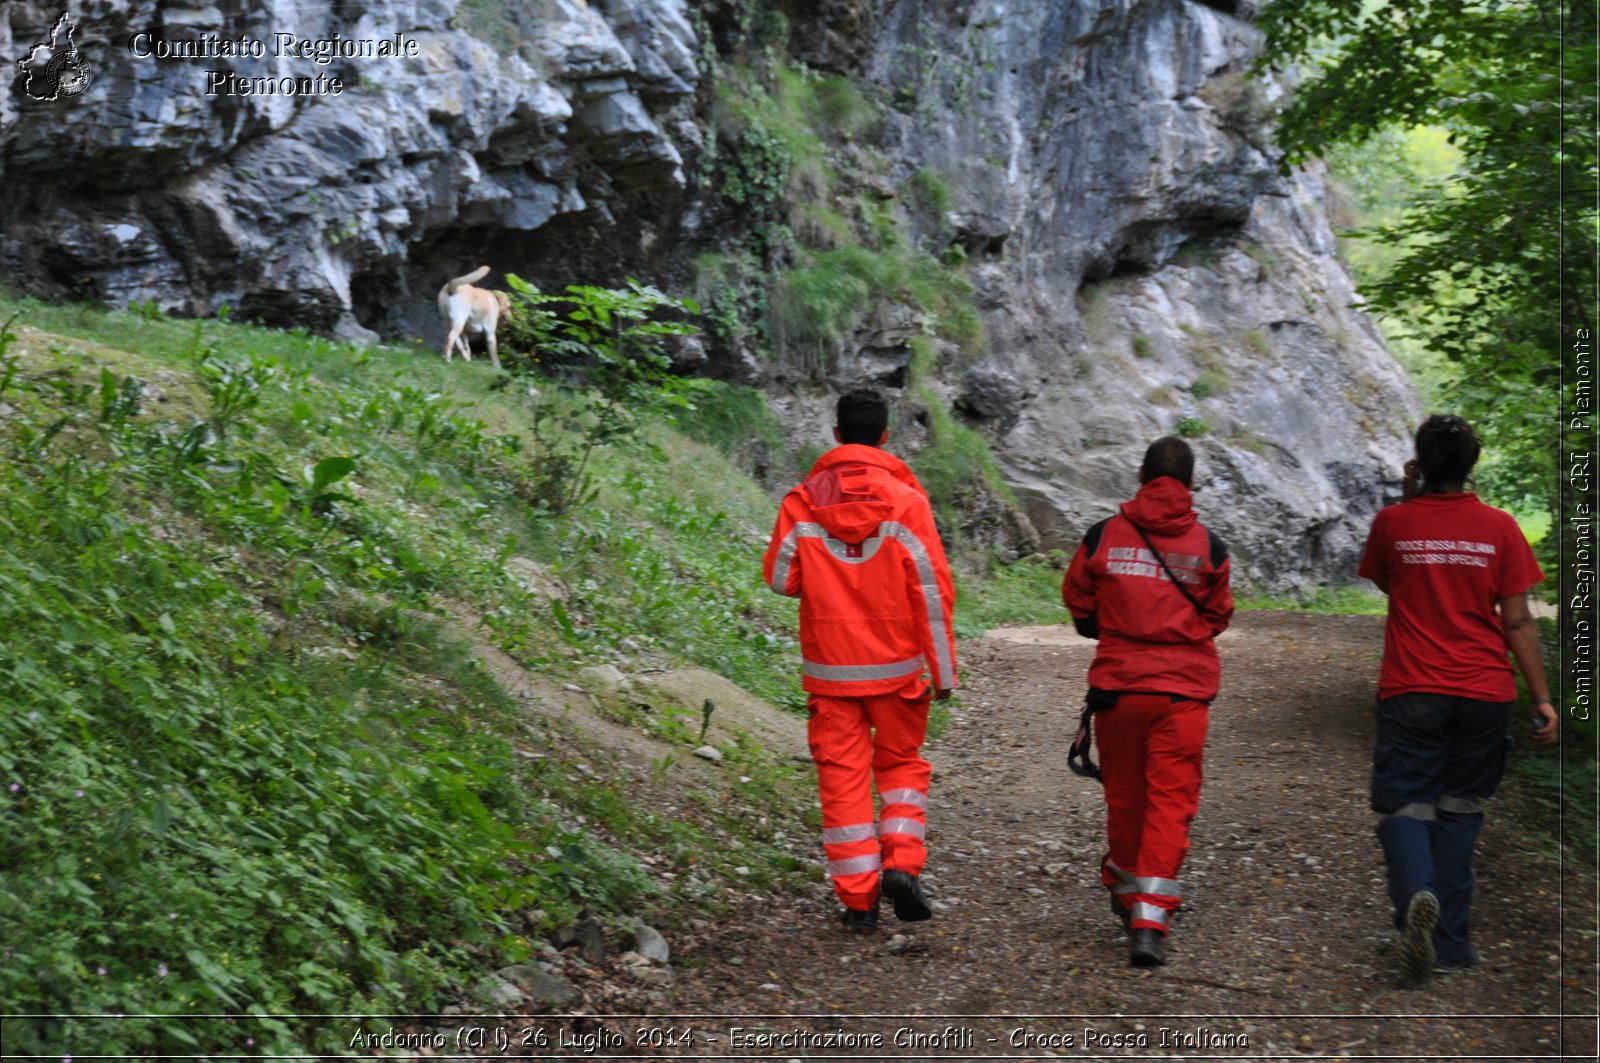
451,341
494,353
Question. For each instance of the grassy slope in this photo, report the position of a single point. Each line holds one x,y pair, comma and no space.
250,760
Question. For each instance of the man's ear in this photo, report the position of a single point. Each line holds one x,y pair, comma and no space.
883,438
837,438
1141,474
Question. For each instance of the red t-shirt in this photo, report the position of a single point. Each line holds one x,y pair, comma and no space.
1445,561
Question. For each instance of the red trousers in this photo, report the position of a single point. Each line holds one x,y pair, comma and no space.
1150,748
856,742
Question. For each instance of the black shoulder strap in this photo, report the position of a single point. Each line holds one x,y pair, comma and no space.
1091,538
1162,561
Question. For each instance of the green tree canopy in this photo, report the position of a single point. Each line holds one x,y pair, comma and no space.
1496,262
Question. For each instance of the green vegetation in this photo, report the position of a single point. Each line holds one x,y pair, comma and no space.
929,191
1028,592
1350,599
956,466
606,343
1191,427
251,759
732,291
1211,382
733,418
1493,232
825,245
1245,439
818,302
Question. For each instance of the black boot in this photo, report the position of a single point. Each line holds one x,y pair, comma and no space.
859,920
1149,948
1123,914
902,887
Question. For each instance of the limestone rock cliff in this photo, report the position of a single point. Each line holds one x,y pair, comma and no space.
1137,263
1144,269
160,183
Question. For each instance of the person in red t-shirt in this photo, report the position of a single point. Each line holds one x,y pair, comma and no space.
1457,573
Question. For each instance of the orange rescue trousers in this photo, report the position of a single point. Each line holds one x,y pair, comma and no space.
1150,747
856,742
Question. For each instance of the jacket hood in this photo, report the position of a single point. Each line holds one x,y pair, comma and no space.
1163,506
851,489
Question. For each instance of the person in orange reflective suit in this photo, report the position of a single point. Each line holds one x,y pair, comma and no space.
1154,674
857,544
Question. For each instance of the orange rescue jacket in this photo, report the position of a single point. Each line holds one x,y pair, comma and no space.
857,544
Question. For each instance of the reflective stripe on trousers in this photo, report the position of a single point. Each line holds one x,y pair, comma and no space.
1150,755
854,865
1149,900
856,742
1145,914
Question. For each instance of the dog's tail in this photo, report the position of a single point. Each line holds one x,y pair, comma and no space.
471,278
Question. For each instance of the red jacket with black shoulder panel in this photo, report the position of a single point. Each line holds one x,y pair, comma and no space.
857,544
1152,639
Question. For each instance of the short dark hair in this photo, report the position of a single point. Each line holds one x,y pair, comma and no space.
862,415
1447,449
1169,456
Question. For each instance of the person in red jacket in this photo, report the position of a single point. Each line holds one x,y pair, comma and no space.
1457,573
1151,584
856,543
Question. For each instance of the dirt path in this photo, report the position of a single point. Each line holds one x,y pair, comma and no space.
1282,949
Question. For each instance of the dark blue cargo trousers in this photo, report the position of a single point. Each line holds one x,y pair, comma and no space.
1435,759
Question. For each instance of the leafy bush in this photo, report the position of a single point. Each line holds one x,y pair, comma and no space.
607,349
1190,427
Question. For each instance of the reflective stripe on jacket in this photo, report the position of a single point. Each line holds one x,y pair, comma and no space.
857,544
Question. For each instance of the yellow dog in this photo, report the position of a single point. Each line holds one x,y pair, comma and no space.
466,308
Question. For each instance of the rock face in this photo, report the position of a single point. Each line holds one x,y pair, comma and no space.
165,182
1143,269
1139,265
